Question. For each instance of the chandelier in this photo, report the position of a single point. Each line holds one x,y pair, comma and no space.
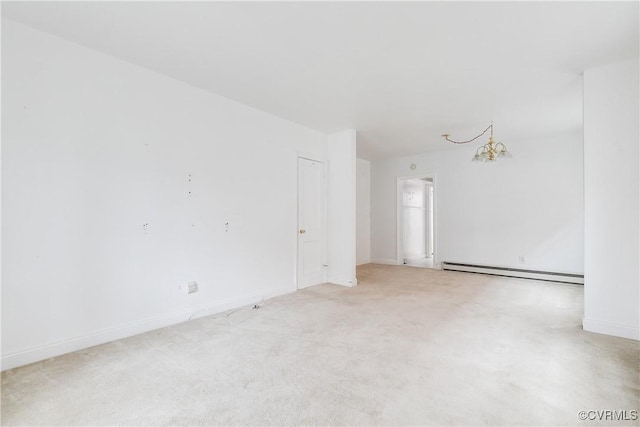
489,152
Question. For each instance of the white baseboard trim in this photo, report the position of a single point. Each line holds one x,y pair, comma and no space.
611,328
343,281
39,353
549,276
415,257
384,261
47,351
231,303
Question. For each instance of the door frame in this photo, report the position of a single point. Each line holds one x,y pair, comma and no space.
399,215
325,168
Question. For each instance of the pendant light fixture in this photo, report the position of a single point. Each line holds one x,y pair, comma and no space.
489,152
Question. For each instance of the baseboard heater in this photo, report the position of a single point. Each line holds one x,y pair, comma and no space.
515,272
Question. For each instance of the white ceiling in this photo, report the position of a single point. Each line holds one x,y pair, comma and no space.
401,73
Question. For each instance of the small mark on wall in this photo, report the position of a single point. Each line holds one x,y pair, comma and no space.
145,227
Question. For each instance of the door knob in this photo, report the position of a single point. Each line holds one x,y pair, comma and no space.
302,231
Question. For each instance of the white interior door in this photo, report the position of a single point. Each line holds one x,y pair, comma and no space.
311,223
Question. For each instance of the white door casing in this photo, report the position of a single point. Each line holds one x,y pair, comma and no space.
311,266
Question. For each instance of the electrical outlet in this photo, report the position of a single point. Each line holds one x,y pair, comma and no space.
192,287
188,288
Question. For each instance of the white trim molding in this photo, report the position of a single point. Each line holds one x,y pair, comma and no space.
47,351
384,261
549,276
611,328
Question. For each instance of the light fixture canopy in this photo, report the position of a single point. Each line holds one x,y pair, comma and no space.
489,152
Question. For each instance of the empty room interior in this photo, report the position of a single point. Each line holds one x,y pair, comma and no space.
320,213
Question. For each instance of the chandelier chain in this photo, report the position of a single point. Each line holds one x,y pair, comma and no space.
489,152
472,139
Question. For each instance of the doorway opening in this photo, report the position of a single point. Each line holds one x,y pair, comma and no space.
416,222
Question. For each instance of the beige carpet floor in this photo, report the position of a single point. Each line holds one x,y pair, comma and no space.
408,346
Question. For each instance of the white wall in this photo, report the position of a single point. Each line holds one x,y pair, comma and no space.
363,212
341,208
530,206
611,164
94,148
